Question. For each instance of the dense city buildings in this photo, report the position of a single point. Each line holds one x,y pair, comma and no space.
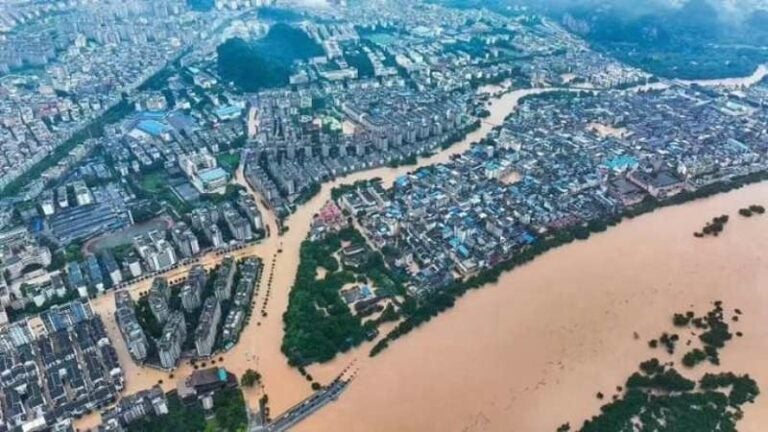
605,153
56,366
152,150
196,318
133,407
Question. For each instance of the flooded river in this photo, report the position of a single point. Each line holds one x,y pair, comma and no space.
530,352
525,354
760,73
259,346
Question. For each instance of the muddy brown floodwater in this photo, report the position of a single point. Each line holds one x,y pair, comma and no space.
530,352
527,353
259,345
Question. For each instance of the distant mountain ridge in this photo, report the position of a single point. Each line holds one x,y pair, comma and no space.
688,39
694,39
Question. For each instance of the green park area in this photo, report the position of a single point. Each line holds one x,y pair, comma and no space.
229,161
228,415
318,324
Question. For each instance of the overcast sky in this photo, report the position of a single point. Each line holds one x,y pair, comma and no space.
729,9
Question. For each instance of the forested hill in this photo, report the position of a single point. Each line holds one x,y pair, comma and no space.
698,39
267,62
694,41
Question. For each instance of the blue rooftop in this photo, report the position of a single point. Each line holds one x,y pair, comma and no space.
152,127
227,111
212,174
621,162
152,115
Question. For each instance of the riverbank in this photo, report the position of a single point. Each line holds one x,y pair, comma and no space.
259,347
529,352
260,342
758,75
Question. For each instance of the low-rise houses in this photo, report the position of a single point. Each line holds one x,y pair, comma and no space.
95,277
111,268
566,161
134,407
65,368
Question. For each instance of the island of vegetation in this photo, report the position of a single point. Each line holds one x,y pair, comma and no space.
713,228
754,209
659,398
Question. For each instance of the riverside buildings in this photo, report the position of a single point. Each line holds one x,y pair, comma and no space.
567,161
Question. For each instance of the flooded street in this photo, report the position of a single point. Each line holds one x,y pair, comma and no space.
528,353
259,346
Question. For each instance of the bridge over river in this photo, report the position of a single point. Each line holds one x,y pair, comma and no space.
308,406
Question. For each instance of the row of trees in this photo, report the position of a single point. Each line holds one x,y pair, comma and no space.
669,401
657,397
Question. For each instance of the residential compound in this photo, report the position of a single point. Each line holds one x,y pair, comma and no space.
55,366
376,125
567,161
201,316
